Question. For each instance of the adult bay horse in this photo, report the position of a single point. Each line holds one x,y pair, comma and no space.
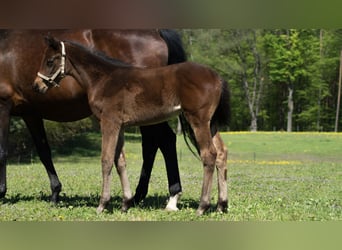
143,48
120,95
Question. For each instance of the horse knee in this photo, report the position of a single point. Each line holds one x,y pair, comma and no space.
209,157
120,163
222,157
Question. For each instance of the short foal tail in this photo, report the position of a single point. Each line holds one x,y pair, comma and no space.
222,113
220,119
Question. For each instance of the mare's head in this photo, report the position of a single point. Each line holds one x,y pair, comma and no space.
52,67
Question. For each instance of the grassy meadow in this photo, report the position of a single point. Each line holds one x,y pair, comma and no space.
272,176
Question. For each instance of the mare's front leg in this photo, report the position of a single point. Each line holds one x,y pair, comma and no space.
4,129
37,130
120,163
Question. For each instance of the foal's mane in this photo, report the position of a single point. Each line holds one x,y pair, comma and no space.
101,55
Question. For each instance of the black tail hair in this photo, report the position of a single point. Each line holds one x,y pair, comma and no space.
221,116
220,119
177,55
175,46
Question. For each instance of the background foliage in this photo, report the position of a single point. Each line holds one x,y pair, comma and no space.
280,79
262,67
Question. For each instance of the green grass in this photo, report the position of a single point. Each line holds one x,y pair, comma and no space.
271,177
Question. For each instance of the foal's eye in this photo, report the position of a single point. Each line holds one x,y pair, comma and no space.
49,62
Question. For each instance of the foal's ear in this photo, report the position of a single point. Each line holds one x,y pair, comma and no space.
52,42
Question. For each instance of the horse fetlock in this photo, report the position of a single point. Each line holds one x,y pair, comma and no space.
56,188
55,197
202,208
100,209
3,191
127,204
172,203
222,206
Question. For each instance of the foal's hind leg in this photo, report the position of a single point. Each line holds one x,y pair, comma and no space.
208,157
221,165
120,163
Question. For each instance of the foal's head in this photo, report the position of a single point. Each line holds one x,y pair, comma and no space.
52,68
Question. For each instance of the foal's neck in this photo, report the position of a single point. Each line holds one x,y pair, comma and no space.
87,68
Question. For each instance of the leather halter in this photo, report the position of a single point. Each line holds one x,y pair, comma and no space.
60,71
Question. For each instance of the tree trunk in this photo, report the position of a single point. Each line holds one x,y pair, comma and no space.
253,91
290,109
254,123
338,95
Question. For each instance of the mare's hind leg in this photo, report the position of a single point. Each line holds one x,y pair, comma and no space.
167,145
120,163
221,165
149,150
36,128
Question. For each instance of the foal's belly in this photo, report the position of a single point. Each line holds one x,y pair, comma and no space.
149,116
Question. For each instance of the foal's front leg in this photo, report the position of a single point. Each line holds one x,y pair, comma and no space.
110,136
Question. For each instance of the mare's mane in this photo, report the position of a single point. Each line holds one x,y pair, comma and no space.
101,55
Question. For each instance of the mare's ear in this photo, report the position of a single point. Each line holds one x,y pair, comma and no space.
52,42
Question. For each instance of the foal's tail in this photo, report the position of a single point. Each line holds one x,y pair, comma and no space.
222,113
220,119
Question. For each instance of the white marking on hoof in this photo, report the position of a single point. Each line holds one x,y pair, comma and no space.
172,203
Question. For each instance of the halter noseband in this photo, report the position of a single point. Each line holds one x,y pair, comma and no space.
61,70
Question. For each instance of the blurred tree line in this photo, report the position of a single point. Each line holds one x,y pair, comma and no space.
280,79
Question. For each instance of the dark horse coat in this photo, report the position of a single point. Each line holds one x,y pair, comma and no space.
120,95
20,51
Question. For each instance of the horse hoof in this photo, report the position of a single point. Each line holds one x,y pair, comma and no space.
222,207
54,199
172,203
171,209
200,212
202,209
2,194
127,204
99,209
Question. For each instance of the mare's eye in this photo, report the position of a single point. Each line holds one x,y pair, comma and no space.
49,62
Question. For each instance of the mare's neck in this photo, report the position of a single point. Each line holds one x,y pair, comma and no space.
87,68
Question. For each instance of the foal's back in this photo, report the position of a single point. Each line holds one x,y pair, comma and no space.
151,95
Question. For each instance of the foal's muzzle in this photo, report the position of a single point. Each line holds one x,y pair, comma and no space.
39,85
44,82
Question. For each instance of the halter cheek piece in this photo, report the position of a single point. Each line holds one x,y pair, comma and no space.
60,71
